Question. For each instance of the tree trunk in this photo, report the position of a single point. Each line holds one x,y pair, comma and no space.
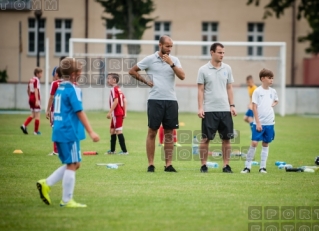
132,49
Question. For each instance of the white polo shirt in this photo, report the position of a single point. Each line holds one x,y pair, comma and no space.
215,86
162,75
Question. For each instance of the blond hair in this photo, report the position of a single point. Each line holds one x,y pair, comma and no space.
69,66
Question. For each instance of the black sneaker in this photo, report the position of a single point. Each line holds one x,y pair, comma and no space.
24,129
169,168
151,168
227,169
203,169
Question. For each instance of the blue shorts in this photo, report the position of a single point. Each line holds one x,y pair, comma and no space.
249,113
69,152
267,134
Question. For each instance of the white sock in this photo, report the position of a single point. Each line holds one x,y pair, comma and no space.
56,176
250,156
68,183
263,157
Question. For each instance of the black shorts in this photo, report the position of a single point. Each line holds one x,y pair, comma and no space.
163,112
218,121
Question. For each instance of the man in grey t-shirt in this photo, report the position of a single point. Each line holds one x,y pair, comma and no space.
162,107
215,104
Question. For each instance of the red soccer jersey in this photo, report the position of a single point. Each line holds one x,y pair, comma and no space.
54,86
34,85
116,92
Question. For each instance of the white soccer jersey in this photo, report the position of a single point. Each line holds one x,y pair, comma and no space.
264,98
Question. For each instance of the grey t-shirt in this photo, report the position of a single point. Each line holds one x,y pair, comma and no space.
162,75
215,86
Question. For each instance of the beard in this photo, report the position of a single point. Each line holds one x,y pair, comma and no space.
163,52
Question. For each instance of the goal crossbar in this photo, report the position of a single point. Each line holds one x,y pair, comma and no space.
281,58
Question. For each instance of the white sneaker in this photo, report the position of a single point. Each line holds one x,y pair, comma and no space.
53,154
262,170
245,170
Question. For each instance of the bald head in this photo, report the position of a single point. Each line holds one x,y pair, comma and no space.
164,38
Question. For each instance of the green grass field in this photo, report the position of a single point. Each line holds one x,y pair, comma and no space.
131,199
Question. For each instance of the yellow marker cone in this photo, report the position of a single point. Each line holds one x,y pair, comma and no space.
181,124
17,151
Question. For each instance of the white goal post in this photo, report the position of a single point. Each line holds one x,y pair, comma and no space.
278,55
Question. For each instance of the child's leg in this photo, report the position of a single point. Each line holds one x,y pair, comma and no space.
68,182
251,154
121,140
113,139
161,134
69,154
37,121
28,120
55,148
56,176
264,155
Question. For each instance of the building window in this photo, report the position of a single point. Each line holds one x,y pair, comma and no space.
33,37
255,34
111,33
161,28
63,31
210,34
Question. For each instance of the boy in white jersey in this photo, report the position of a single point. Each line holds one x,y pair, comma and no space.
264,99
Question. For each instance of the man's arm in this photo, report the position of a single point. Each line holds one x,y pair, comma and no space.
179,72
200,99
134,73
231,98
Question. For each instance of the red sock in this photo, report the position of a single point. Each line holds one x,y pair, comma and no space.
55,148
161,134
27,121
36,125
174,136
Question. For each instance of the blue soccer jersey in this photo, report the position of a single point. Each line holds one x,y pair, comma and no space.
67,102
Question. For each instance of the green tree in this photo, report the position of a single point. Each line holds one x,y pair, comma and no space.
308,9
128,16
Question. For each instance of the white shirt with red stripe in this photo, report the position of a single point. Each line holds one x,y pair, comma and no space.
116,92
34,85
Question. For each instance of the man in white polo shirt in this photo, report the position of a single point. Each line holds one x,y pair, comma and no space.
162,106
216,105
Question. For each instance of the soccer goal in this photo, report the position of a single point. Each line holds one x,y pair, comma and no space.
245,58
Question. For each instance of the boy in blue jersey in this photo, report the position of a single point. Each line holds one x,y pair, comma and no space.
68,130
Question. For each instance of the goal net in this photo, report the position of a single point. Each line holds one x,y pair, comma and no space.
102,56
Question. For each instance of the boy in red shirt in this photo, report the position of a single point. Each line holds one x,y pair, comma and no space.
117,113
57,79
34,102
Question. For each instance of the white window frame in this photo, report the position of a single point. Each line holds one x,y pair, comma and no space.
34,30
113,32
161,31
209,34
255,34
63,32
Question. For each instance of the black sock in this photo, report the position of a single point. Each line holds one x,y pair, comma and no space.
122,142
113,142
